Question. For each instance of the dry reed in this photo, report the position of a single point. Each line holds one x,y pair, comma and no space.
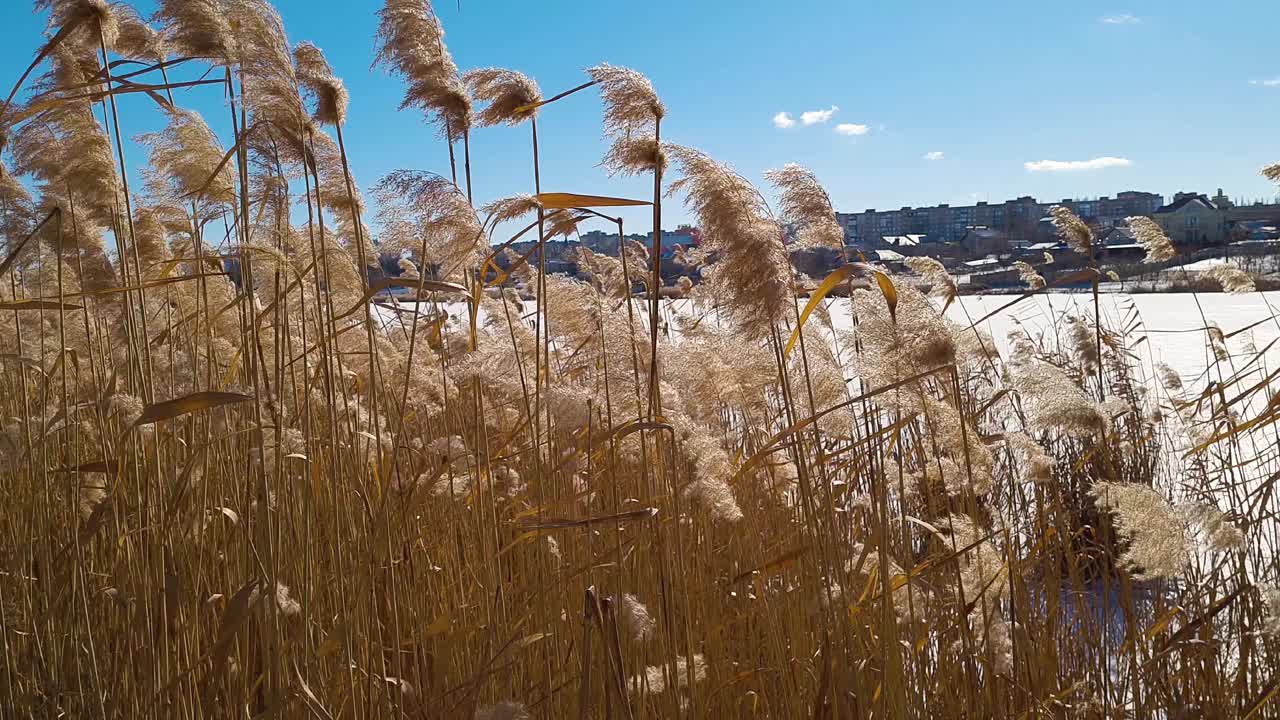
247,474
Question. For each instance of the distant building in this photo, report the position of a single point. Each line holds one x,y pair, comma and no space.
889,257
988,263
1018,219
1193,220
903,241
1108,212
1222,201
601,241
1119,236
1268,212
1119,243
683,235
984,240
1048,246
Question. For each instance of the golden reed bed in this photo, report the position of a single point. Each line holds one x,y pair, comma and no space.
231,491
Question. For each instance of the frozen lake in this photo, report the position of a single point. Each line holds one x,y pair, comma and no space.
1172,323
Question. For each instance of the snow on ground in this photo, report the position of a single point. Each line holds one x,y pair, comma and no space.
1206,264
1165,328
1173,323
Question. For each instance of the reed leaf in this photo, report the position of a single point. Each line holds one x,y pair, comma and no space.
195,402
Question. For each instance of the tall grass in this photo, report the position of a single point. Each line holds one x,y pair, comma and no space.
243,479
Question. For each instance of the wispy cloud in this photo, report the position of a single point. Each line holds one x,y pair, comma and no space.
1100,163
783,120
852,129
1269,82
814,117
1121,19
935,155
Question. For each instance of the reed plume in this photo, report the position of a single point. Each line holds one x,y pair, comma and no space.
635,618
17,209
941,283
317,76
196,28
510,208
653,679
807,207
1155,533
1151,237
1232,279
1169,377
149,233
631,105
635,155
410,42
1028,275
911,340
66,148
340,195
271,483
507,92
419,207
186,168
752,274
89,17
135,38
1053,401
564,223
1074,232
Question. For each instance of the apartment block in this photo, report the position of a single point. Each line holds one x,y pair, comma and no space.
1017,219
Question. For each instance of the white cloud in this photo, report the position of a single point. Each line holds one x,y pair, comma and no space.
813,117
1121,19
783,120
935,155
1269,82
852,129
1100,163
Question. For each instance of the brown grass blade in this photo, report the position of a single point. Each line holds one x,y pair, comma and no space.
235,615
828,284
888,290
1186,631
93,466
37,305
194,402
1264,697
388,283
567,201
629,516
773,564
1079,275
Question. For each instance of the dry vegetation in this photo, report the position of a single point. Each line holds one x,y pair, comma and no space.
261,495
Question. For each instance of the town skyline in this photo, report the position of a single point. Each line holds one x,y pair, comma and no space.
974,199
1029,101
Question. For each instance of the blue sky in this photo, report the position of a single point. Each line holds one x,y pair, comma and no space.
1169,95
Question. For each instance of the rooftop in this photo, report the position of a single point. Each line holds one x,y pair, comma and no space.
1184,200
